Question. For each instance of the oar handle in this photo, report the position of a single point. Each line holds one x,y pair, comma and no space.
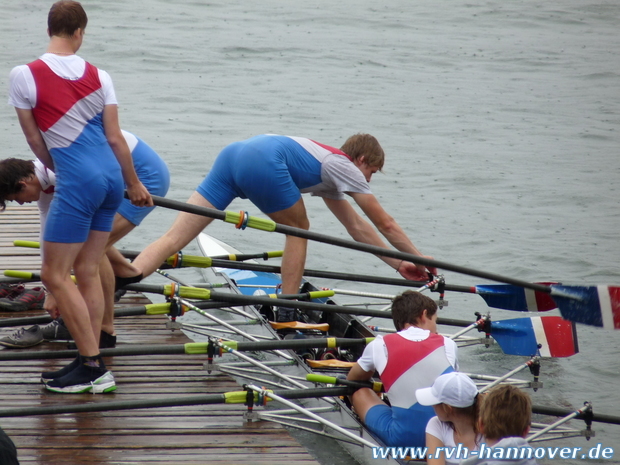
24,275
29,244
249,256
324,379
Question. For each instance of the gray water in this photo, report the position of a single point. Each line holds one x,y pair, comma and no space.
500,121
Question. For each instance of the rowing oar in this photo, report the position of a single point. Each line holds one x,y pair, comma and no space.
516,337
234,397
199,293
149,309
580,414
538,409
262,300
594,305
554,336
504,296
195,348
376,386
131,254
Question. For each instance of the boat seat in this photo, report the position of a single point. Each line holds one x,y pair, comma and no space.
331,363
299,325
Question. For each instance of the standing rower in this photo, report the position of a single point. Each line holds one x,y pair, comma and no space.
68,112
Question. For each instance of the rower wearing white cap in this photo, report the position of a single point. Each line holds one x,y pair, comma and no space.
455,399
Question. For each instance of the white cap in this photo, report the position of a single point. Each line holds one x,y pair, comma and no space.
454,389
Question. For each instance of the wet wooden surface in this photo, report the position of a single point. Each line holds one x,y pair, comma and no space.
163,436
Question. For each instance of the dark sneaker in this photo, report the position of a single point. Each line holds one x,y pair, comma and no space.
23,338
29,299
56,330
106,340
84,378
10,290
50,375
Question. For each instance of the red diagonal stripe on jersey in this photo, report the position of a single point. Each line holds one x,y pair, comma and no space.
403,354
56,96
332,149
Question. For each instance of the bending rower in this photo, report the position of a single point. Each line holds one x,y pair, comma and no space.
273,171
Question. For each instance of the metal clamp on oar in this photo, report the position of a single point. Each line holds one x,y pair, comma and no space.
250,414
534,366
176,307
484,324
585,413
437,284
210,354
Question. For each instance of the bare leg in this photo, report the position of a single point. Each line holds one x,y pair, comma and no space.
363,400
294,257
186,227
86,269
107,285
114,264
82,308
121,266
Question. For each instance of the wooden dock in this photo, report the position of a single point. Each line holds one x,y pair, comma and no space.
163,436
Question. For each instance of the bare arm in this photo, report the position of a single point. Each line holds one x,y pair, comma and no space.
356,373
135,189
361,231
432,443
34,137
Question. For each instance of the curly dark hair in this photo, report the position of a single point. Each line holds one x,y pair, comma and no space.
12,171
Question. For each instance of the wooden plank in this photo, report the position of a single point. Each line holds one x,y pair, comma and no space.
186,435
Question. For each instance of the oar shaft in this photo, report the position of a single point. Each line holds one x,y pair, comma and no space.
119,312
168,402
506,376
191,348
296,344
254,300
314,416
552,426
562,412
314,236
202,293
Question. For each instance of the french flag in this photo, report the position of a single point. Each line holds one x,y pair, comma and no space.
548,336
511,297
590,305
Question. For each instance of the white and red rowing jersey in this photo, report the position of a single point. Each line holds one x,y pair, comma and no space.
408,360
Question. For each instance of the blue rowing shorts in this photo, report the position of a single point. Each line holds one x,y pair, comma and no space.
266,169
399,427
153,173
